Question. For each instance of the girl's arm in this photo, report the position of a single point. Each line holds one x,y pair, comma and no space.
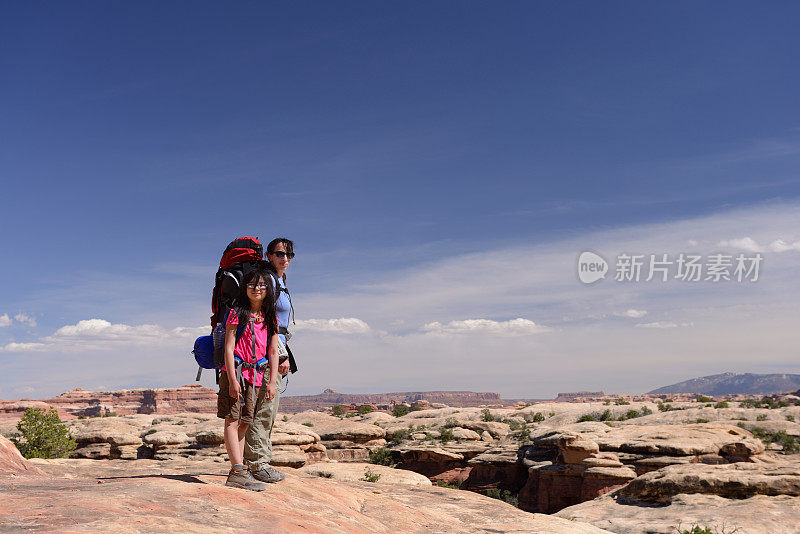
234,390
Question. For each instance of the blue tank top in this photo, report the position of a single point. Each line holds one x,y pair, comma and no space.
282,307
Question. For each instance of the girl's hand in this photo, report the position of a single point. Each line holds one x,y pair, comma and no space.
234,389
270,393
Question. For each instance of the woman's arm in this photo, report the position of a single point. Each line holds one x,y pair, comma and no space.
272,358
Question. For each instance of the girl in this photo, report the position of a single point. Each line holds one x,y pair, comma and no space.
238,398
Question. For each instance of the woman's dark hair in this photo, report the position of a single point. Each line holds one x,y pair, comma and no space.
288,245
267,307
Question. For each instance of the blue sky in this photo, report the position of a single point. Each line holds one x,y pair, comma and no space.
401,145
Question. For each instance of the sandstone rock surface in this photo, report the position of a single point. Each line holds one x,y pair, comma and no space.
351,472
189,496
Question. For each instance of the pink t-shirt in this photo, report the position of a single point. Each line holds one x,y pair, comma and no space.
244,347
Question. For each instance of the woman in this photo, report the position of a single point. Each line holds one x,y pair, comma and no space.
258,442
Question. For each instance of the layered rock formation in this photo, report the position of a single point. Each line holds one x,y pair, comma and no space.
329,397
756,498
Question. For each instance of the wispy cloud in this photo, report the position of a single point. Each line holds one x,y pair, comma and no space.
25,319
662,324
514,327
344,325
634,314
5,320
99,334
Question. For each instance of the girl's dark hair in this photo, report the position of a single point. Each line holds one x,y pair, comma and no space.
267,307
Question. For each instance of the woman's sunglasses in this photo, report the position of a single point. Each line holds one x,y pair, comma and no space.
281,254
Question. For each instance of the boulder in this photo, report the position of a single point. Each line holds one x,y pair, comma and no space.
12,463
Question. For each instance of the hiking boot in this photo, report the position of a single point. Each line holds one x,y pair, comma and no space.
268,474
240,477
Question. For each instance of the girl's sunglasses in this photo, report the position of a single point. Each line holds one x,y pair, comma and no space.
281,254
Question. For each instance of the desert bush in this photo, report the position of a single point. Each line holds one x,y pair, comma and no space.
380,456
513,425
789,444
704,398
486,415
790,418
310,425
721,404
369,476
503,495
443,484
701,420
662,407
630,414
606,415
621,402
365,409
586,417
761,417
399,435
450,422
339,410
534,418
446,434
646,410
43,435
400,410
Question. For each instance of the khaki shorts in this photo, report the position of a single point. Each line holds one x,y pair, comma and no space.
230,408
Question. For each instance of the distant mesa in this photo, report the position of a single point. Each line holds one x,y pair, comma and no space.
734,384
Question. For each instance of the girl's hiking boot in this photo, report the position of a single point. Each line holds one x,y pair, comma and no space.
268,474
240,477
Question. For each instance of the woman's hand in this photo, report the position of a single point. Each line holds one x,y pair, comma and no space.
270,393
283,368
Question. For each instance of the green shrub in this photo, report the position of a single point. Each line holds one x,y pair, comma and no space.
513,425
380,456
399,435
369,476
486,415
606,415
667,400
790,418
446,434
750,403
664,407
630,414
400,410
606,402
586,417
761,417
416,408
43,435
443,484
788,443
285,418
621,402
308,424
646,411
450,422
701,420
503,495
704,398
339,410
697,530
721,404
534,418
365,409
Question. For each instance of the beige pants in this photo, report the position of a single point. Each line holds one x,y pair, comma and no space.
258,439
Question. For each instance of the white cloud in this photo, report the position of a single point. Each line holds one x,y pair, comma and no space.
24,347
634,314
344,325
750,245
662,324
517,326
5,320
744,243
99,334
25,319
779,245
